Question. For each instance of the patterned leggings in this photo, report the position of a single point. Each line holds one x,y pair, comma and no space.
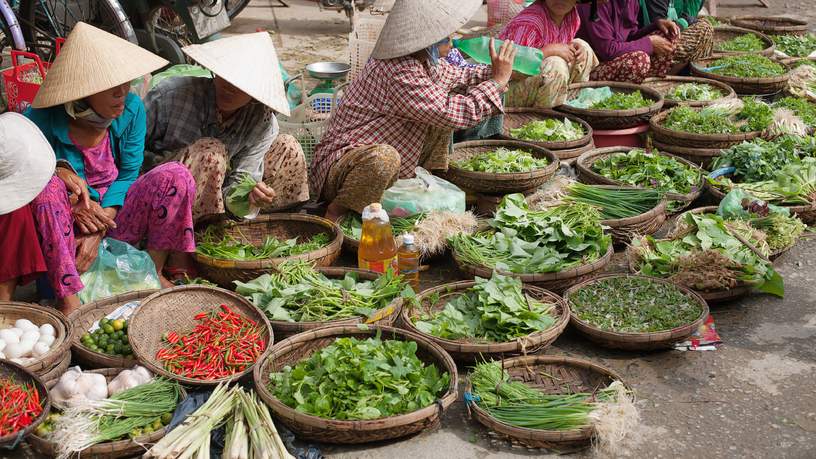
284,172
157,210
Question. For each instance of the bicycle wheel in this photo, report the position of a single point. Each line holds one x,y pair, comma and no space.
45,20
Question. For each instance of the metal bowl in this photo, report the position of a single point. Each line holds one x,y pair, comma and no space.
328,70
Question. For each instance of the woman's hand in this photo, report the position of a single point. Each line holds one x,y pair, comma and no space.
502,61
76,186
86,251
660,45
578,50
262,195
563,51
94,219
669,28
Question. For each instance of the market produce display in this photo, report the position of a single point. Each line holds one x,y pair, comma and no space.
796,45
694,92
760,159
728,117
25,342
495,310
614,203
746,66
774,224
109,338
222,344
801,107
297,292
360,379
21,405
792,184
237,199
633,305
226,247
549,130
622,101
527,241
649,170
502,161
746,43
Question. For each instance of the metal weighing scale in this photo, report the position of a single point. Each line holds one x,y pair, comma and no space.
328,73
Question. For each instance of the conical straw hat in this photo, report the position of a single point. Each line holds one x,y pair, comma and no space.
27,161
248,62
413,25
92,61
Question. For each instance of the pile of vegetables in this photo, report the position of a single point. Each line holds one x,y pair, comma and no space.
299,293
21,405
746,43
710,257
729,117
760,159
796,45
494,311
694,92
502,161
76,387
775,225
211,243
526,241
26,342
746,66
801,107
237,199
622,101
110,337
360,379
549,130
222,344
633,305
615,203
793,184
352,225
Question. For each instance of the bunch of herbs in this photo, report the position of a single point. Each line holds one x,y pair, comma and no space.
801,107
746,66
237,199
694,92
793,184
649,170
623,101
796,45
501,161
223,246
754,115
549,130
352,225
745,43
760,159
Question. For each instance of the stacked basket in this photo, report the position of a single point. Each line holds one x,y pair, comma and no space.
723,34
566,151
614,119
57,359
666,84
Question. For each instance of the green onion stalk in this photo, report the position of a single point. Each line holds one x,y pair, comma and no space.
615,203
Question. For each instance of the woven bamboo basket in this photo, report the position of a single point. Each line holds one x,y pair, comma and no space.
517,117
742,86
85,316
700,157
107,450
551,375
569,156
281,226
723,34
666,84
646,341
22,375
303,345
10,311
583,167
174,310
469,351
486,182
387,315
59,368
623,230
614,119
556,282
772,25
806,213
665,136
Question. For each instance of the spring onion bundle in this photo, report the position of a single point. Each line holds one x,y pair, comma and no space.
615,203
227,247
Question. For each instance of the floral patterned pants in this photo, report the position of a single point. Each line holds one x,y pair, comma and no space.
157,210
284,172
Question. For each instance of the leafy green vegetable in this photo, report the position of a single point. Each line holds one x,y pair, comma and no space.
746,43
238,196
746,66
694,92
633,305
754,115
214,244
615,203
714,21
793,184
801,107
623,101
502,161
525,241
352,225
795,45
495,310
299,293
781,231
360,379
651,170
759,159
549,130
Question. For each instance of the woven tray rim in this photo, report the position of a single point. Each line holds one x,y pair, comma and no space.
768,51
631,112
698,68
678,80
543,113
63,330
795,26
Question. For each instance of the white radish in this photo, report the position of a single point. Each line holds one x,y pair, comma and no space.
47,329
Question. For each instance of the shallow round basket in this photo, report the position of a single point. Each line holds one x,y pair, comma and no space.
21,375
700,157
646,341
623,230
666,136
569,156
556,282
517,117
487,182
614,119
107,450
668,83
583,167
300,347
550,375
86,315
772,25
174,310
725,33
387,315
469,351
281,226
59,368
743,86
806,213
11,311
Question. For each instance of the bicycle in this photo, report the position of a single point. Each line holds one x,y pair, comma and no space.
12,33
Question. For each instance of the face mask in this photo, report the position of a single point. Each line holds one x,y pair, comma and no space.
433,51
79,109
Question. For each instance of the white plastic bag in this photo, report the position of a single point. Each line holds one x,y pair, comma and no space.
422,194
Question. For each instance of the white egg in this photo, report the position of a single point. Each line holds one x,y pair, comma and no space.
26,347
9,336
14,350
40,349
25,325
2,345
47,329
31,335
18,331
48,340
2,355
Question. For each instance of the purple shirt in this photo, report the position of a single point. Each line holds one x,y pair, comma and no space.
100,167
616,32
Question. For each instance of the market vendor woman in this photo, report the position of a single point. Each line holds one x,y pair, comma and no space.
96,128
401,110
223,128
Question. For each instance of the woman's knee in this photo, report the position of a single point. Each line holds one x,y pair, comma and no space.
173,175
54,192
388,160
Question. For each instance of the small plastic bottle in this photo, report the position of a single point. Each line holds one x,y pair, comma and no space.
378,249
408,256
528,60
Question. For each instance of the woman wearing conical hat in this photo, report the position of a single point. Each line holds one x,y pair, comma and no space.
97,129
225,127
400,111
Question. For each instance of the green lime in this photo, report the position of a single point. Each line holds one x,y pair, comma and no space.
86,336
104,322
166,418
157,424
110,348
108,329
117,348
126,349
124,326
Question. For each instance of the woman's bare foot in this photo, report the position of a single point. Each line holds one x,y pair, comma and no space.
70,304
335,212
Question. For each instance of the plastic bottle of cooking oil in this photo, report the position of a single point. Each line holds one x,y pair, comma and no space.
378,249
408,257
